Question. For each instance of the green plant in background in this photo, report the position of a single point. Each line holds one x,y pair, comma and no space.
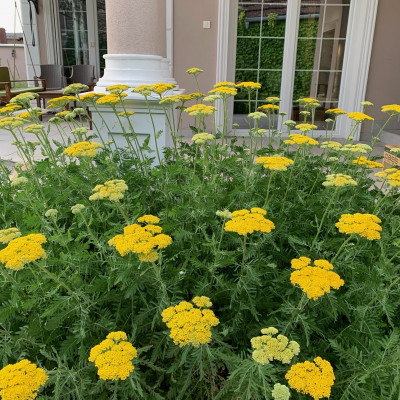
154,282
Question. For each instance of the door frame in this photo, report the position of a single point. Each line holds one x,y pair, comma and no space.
359,40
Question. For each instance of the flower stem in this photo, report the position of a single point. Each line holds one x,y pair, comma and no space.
244,255
341,248
294,313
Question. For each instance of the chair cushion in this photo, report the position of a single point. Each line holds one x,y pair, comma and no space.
15,91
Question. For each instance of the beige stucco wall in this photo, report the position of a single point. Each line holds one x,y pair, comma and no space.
383,82
195,46
6,60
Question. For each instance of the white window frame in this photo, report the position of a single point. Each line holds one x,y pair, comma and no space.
360,34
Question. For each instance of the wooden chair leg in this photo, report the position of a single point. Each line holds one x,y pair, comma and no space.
38,103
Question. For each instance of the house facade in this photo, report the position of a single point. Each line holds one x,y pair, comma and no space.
338,51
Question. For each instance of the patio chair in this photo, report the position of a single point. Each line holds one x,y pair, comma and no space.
54,76
8,90
83,74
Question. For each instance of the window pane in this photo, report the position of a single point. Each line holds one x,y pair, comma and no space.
270,85
247,53
249,19
274,20
271,55
246,76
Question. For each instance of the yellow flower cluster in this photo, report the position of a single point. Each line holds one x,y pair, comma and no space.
83,149
335,111
75,88
21,381
117,89
268,348
225,83
194,71
307,100
339,180
315,280
142,240
9,123
110,99
22,250
392,108
113,357
331,145
9,109
361,148
280,392
200,110
368,163
245,222
359,116
303,140
249,85
90,97
6,235
365,225
269,108
162,87
273,99
384,174
112,190
393,178
201,138
230,91
314,378
306,127
275,163
190,325
61,101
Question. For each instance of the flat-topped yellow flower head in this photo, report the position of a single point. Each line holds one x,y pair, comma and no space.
190,324
313,378
194,71
335,111
21,381
275,163
314,280
246,222
306,127
367,163
113,357
364,225
339,180
268,108
392,109
224,91
200,110
359,116
302,140
75,88
23,250
111,190
117,89
249,85
6,235
83,149
225,84
61,101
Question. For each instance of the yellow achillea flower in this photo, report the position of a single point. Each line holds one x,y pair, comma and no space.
384,174
392,108
194,71
200,110
306,127
275,163
267,348
170,100
280,392
75,88
249,85
113,357
335,111
339,180
162,87
6,235
268,108
91,97
245,222
195,95
202,301
9,109
303,140
142,240
61,101
289,142
23,250
331,145
11,122
226,84
83,149
314,378
230,91
361,148
117,89
23,98
201,138
368,163
315,280
365,225
112,190
190,325
21,381
273,99
111,99
25,115
359,116
394,178
307,100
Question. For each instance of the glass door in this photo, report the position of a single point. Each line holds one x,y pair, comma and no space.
304,43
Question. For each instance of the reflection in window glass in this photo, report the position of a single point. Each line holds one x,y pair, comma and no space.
320,54
101,23
74,36
259,52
